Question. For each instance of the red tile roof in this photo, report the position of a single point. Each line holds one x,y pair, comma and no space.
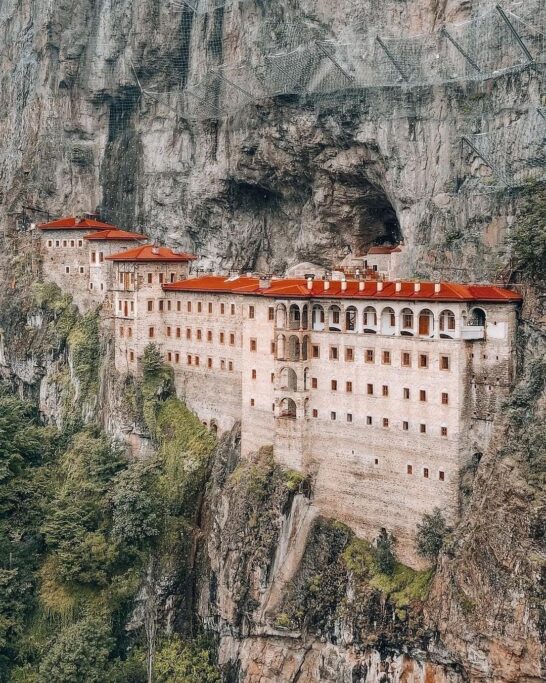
382,250
297,288
75,223
149,253
114,234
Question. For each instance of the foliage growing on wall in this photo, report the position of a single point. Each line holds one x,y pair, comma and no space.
528,238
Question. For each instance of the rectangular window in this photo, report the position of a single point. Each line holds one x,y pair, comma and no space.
177,358
422,395
101,257
349,354
132,306
80,243
49,243
423,360
151,332
132,356
178,332
314,383
178,306
232,339
315,412
369,419
406,359
385,422
120,304
405,425
252,403
444,431
161,304
251,312
425,472
65,243
349,417
188,333
209,336
369,389
209,362
67,270
188,306
199,335
129,331
410,469
222,338
169,305
81,270
273,347
315,351
222,308
197,360
150,306
173,277
349,387
230,366
334,353
232,309
57,243
369,356
188,359
271,313
386,357
72,243
253,375
199,307
272,377
333,385
444,362
169,356
441,475
445,398
150,278
423,428
161,278
210,306
121,331
385,390
222,364
253,345
333,415
168,331
93,260
121,278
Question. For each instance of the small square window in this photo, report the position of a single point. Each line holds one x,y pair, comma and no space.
334,353
385,390
423,360
67,270
315,351
81,270
230,366
444,431
349,354
385,422
425,472
253,345
444,362
386,357
314,383
177,358
405,426
315,412
422,395
151,332
334,385
349,417
369,356
369,389
406,359
188,359
376,461
445,398
333,415
209,362
252,403
150,306
253,374
441,475
80,244
188,333
409,469
423,428
349,387
50,243
369,419
72,243
168,331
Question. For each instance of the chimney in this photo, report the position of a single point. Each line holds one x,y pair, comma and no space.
155,250
361,285
310,283
326,285
437,287
416,286
78,220
249,274
379,286
344,285
398,286
265,281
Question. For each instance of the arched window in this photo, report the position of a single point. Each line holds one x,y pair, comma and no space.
334,319
477,317
294,349
318,318
388,321
350,319
370,319
406,321
280,316
306,379
447,321
305,348
426,323
305,318
281,347
294,319
288,409
288,379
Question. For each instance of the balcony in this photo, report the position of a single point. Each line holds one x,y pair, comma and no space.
473,332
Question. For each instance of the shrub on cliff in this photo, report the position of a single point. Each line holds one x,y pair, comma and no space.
431,533
384,552
528,237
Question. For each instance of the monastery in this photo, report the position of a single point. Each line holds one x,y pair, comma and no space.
379,390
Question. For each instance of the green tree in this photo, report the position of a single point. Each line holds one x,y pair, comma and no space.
178,662
384,552
528,237
80,654
431,533
152,361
